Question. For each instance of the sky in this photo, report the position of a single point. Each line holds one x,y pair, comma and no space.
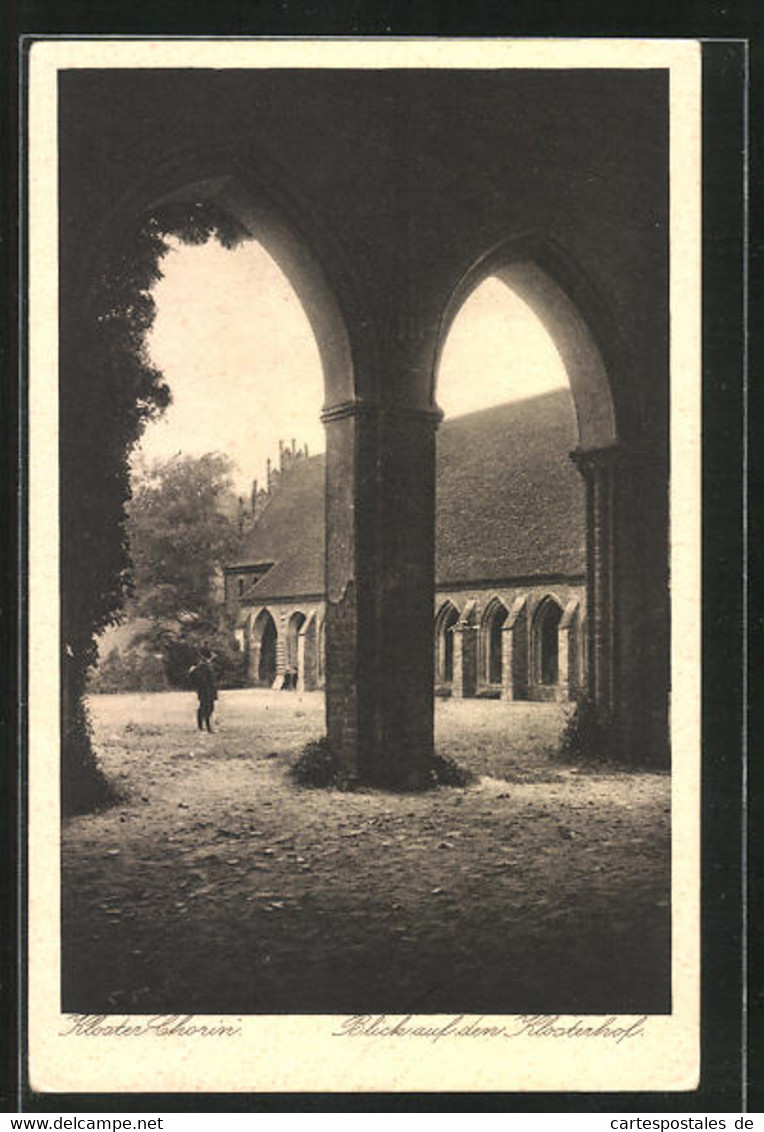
238,353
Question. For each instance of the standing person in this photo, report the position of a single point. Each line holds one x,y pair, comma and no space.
206,690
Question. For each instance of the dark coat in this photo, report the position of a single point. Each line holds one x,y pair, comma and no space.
204,682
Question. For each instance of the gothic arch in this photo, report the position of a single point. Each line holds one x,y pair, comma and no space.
541,274
263,644
296,240
545,649
491,626
445,620
583,329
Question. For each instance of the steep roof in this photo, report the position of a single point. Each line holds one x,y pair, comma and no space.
510,504
290,534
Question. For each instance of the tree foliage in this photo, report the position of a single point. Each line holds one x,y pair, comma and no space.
109,391
181,533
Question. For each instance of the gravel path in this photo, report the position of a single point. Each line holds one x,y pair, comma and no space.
220,887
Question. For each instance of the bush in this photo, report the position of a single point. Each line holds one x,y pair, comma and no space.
447,772
133,670
587,736
316,767
159,658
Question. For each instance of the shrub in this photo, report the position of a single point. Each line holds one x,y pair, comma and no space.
316,767
447,772
587,737
133,670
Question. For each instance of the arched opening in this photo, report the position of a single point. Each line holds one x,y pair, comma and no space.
292,657
247,254
445,620
547,461
582,361
546,624
492,642
264,642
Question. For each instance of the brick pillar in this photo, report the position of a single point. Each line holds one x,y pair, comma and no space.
253,662
514,652
281,651
568,646
302,685
507,663
465,661
564,654
380,524
307,658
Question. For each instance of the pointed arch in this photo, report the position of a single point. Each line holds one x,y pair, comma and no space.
491,652
545,646
547,280
299,242
607,398
262,649
445,620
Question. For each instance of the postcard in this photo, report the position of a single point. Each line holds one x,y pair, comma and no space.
364,515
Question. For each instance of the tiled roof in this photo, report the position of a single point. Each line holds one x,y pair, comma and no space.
290,534
510,504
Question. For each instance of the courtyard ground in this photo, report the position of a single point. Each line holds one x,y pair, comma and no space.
220,887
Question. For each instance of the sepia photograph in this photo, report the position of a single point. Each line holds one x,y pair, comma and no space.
366,411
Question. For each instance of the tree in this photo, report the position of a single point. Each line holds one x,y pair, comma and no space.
109,391
181,535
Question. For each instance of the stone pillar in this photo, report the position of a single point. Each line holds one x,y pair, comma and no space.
302,682
281,651
253,663
567,650
380,553
307,658
627,596
465,660
507,663
563,663
514,652
599,468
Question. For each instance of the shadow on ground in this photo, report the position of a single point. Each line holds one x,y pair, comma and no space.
219,887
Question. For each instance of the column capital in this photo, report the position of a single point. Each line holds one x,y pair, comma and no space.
613,455
589,460
431,415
